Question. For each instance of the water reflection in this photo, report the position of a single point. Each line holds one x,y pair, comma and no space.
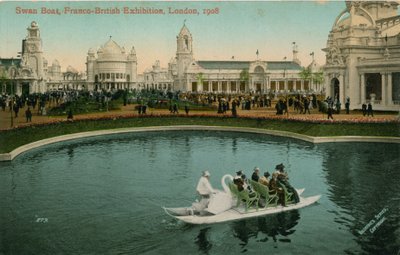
274,226
368,197
278,227
202,240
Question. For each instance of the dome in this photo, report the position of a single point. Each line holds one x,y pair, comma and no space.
70,69
354,16
91,51
355,21
55,63
111,51
314,67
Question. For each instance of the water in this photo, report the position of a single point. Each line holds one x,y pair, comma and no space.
104,196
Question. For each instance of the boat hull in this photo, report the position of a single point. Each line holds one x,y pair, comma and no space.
239,214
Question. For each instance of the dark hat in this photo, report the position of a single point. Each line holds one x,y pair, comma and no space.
239,172
243,176
267,174
280,166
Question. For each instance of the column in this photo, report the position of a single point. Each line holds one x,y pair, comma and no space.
17,88
362,89
341,88
286,85
302,85
264,86
390,90
228,86
219,86
383,85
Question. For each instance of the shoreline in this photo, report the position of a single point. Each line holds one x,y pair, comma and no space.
315,140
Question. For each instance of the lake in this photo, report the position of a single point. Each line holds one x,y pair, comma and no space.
103,195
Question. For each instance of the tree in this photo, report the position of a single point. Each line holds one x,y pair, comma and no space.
318,77
244,76
305,74
200,78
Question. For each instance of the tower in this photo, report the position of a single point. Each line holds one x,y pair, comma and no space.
295,51
32,54
184,55
90,65
32,58
132,63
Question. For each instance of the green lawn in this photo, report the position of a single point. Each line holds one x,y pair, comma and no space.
11,139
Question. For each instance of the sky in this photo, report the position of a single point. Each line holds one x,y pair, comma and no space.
238,29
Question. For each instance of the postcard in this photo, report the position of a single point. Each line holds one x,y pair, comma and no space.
199,127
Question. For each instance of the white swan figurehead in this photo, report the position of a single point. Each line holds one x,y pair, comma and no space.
223,182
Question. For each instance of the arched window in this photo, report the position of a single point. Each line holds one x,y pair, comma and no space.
259,69
186,42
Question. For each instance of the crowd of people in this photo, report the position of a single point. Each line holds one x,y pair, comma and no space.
41,103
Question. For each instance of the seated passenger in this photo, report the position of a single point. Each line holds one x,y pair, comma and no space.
255,176
274,186
283,179
282,174
238,175
238,181
247,186
264,179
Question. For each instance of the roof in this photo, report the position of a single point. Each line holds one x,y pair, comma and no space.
224,64
184,31
111,51
9,61
240,65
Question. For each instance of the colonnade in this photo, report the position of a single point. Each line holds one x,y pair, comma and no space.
237,86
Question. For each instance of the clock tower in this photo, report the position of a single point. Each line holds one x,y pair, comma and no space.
184,56
32,56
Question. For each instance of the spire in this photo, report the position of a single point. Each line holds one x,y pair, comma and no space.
295,51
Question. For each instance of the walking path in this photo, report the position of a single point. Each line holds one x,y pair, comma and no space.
354,116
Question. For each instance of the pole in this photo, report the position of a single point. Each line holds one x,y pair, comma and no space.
12,103
287,105
12,97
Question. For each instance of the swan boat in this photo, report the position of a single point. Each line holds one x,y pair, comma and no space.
222,207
